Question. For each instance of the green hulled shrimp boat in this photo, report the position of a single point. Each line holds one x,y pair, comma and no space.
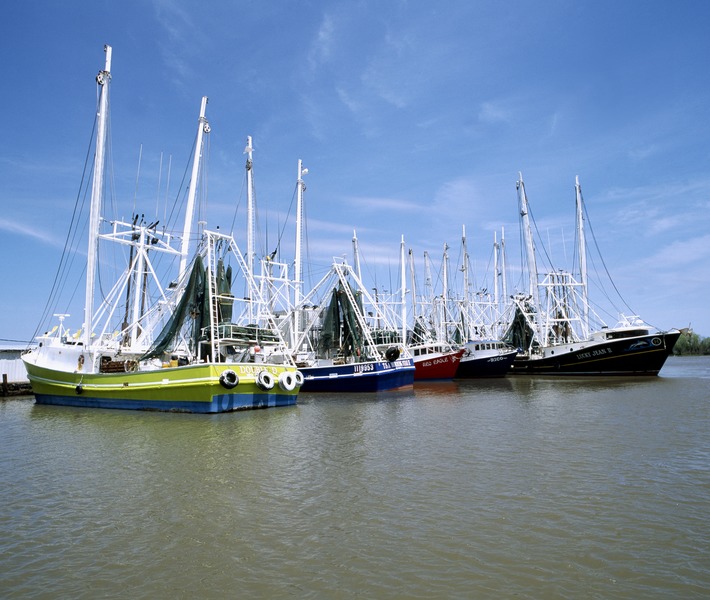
196,344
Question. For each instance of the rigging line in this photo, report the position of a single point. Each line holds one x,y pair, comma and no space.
266,226
259,239
288,214
460,258
138,174
157,191
594,237
167,192
204,181
76,288
491,256
169,220
73,255
597,280
539,237
576,251
309,261
110,175
111,181
239,203
523,258
16,341
71,233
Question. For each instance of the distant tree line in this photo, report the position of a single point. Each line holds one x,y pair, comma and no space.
692,344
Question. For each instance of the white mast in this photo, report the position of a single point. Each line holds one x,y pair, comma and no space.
464,268
501,306
137,296
445,292
502,265
202,128
404,291
530,247
429,288
467,299
250,205
529,243
300,188
582,253
298,260
496,269
356,256
414,285
102,79
441,332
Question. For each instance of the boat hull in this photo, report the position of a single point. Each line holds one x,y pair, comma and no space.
437,366
643,355
478,367
379,376
190,388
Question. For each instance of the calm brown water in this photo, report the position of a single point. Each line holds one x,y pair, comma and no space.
524,488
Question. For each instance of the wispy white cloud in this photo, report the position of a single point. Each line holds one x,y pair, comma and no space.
182,35
375,203
643,152
388,76
173,18
359,106
682,188
681,254
321,48
316,225
491,112
15,228
651,210
468,200
353,105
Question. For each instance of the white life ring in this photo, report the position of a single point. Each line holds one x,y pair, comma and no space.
229,379
299,378
265,380
287,381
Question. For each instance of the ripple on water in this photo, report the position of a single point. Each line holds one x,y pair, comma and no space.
521,487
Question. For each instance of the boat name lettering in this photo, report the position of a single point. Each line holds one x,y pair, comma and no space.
254,370
363,368
595,352
496,358
600,351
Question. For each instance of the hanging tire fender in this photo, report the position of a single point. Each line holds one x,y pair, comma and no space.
229,379
299,378
392,353
265,380
287,381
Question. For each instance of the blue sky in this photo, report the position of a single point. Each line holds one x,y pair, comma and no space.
413,118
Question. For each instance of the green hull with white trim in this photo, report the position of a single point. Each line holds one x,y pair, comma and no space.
190,388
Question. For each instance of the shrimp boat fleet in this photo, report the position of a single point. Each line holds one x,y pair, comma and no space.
190,324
